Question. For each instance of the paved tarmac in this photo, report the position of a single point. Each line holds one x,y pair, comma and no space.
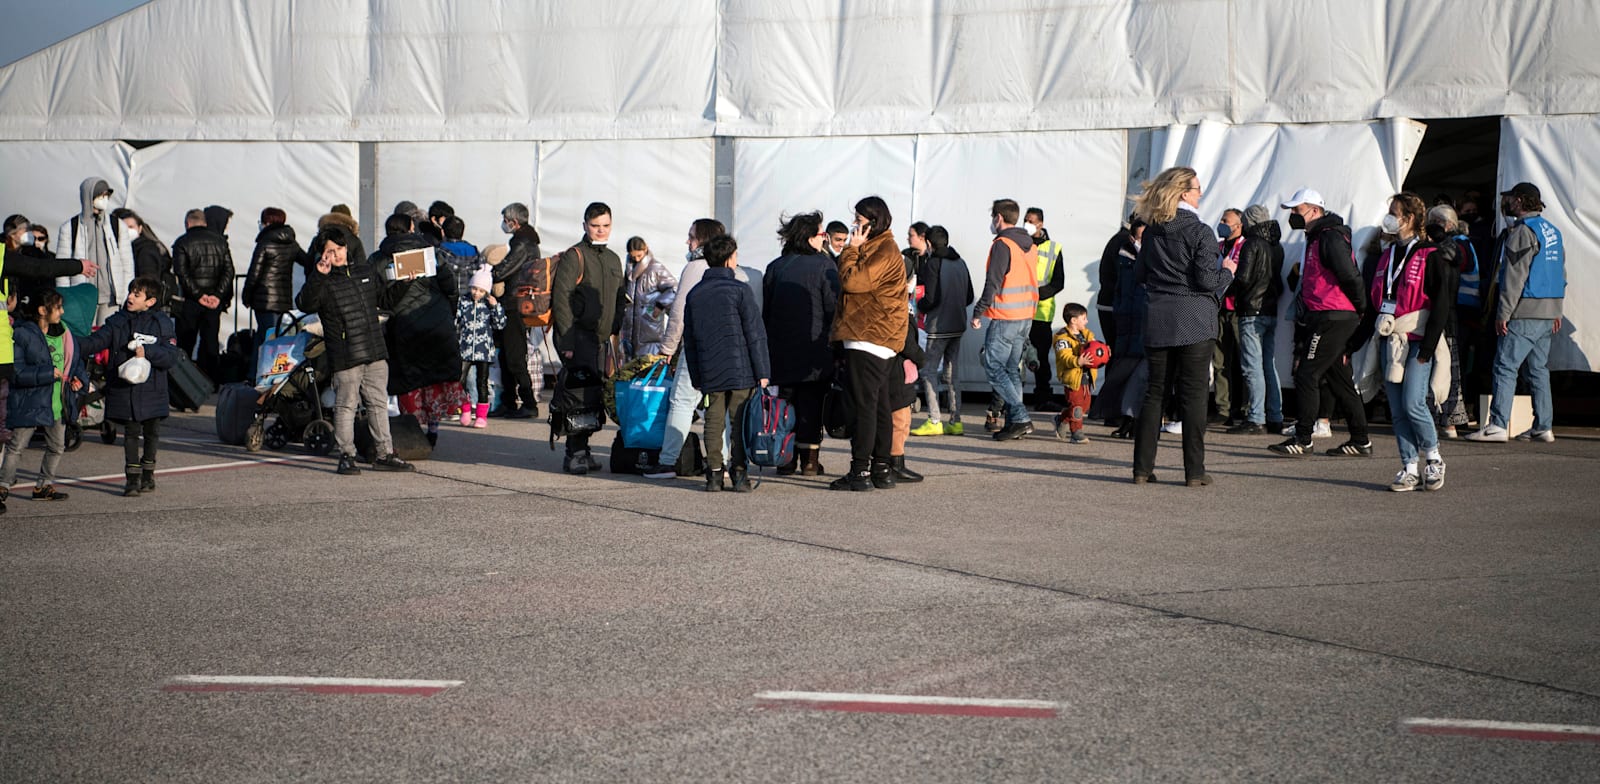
1277,626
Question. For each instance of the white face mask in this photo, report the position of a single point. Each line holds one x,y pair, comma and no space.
27,239
101,202
505,226
1034,231
1391,224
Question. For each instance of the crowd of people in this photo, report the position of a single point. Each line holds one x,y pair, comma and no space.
843,321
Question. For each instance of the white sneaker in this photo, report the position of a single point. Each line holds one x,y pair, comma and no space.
1491,434
1322,429
1546,436
1176,428
1404,482
1433,475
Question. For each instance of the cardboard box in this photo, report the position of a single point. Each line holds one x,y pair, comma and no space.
410,264
1521,413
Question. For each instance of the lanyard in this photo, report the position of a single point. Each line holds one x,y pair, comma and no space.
1396,270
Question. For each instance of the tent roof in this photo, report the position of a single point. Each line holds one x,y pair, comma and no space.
420,70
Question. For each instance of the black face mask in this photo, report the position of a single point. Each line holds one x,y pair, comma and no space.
1297,221
1435,232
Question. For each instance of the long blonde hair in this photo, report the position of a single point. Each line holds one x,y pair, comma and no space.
1159,201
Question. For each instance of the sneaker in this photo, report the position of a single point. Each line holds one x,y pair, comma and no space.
1450,433
1546,436
928,428
1493,434
1079,438
1433,475
1175,428
1288,429
1322,429
1246,429
575,464
1351,449
653,470
1014,431
588,460
48,493
1291,448
1404,482
857,481
953,429
1063,429
347,465
392,462
993,422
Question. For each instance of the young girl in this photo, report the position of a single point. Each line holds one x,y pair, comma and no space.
478,317
49,374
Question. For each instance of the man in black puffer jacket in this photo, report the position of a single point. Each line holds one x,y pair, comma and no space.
345,296
204,267
1256,288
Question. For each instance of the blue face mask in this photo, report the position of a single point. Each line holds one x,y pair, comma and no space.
1224,231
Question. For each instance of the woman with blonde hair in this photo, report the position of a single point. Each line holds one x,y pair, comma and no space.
1183,282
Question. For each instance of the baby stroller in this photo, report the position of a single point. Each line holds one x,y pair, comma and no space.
296,402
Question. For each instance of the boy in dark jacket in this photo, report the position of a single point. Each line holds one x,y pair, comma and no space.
343,291
138,330
727,356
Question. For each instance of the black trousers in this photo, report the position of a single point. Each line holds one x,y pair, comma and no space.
1039,335
518,385
870,388
141,456
807,401
1189,368
197,323
1323,359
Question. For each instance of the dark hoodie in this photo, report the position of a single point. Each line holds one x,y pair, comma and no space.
1258,283
1000,264
217,219
946,292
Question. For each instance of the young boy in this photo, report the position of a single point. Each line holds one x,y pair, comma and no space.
1078,380
137,331
727,345
49,375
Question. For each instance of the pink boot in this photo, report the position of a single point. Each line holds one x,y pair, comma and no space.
483,415
466,415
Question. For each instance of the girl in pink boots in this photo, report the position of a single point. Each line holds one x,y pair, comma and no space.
478,316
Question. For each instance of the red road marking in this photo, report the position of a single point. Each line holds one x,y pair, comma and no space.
1506,730
908,705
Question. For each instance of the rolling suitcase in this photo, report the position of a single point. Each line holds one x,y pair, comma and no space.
236,411
187,387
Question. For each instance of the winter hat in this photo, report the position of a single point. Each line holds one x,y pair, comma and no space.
482,279
1256,213
494,254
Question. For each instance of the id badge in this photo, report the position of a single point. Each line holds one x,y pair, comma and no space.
1387,308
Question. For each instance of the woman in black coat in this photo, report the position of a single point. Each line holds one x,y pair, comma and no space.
1184,281
424,350
269,282
801,292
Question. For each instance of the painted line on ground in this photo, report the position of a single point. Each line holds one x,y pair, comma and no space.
908,704
311,685
106,479
1508,730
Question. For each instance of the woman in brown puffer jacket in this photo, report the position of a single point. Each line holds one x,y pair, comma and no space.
871,325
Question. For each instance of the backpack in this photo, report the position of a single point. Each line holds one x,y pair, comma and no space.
531,289
768,429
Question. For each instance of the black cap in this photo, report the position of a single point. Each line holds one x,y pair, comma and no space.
1524,189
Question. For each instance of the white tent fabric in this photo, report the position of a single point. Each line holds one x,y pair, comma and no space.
1550,152
41,180
655,189
478,179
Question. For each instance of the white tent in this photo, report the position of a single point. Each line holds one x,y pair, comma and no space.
745,109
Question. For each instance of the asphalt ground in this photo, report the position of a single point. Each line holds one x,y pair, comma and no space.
1277,626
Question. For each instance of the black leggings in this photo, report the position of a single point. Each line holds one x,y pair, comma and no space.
483,379
136,457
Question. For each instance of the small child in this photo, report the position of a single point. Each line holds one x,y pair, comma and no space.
138,331
1078,380
727,345
49,375
478,317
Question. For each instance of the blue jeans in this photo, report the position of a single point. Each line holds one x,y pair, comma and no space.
1408,407
1002,361
680,414
1525,340
1263,393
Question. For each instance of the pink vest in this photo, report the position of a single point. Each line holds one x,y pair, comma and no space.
1319,289
1410,289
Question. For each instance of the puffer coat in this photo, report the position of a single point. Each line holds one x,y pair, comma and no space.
723,332
269,282
651,290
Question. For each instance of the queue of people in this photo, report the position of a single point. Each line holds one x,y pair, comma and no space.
1186,309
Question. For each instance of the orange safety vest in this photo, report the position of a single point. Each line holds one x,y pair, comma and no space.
1019,292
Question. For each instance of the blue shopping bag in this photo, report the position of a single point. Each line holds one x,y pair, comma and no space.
642,407
283,351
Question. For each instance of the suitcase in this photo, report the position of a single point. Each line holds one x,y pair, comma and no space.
236,412
188,388
238,360
410,440
630,460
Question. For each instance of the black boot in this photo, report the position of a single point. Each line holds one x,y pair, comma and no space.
793,466
713,480
897,466
857,479
882,475
740,477
131,489
147,478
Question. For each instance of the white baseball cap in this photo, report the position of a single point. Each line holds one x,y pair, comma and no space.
1304,196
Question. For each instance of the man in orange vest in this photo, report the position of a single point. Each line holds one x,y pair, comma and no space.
1010,297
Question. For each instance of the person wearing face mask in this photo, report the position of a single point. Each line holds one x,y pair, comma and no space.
1225,357
1256,288
1528,293
513,340
93,237
1332,299
838,238
1051,278
151,259
1009,300
26,275
1444,230
650,291
1414,287
586,308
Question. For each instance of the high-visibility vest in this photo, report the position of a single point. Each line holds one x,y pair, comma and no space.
8,350
1019,294
1049,256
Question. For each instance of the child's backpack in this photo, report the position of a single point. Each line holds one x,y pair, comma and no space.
768,429
531,289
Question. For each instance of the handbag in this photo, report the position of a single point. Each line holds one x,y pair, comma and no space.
642,404
838,413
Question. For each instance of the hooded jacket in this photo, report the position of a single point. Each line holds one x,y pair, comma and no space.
1258,283
346,300
117,245
33,388
651,291
204,265
946,293
802,298
872,301
723,331
420,334
269,282
127,402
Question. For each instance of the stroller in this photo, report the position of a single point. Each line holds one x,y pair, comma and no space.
296,402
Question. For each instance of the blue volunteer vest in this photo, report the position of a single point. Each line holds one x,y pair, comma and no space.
1471,292
1547,275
